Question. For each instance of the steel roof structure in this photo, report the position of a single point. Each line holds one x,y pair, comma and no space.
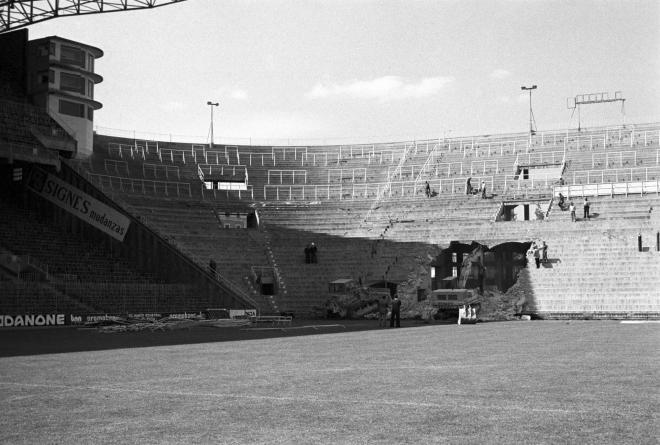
16,14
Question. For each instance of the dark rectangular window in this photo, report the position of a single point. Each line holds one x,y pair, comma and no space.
73,56
90,113
72,108
90,89
51,76
71,82
52,48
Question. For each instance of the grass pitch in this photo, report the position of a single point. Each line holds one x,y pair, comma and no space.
513,382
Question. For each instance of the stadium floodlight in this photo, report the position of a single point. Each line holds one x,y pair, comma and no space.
532,122
16,14
212,104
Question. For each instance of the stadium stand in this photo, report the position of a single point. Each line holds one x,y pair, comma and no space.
346,199
226,226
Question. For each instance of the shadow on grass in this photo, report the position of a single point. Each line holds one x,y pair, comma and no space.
29,341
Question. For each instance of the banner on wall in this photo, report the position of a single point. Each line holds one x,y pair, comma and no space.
11,321
31,320
79,203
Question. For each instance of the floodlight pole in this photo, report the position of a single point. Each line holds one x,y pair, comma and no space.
532,124
212,104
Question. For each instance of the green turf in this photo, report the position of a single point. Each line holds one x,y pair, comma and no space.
514,382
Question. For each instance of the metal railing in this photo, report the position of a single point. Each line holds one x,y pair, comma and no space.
116,166
514,182
28,152
619,155
371,190
608,189
288,173
155,168
429,160
540,158
222,169
339,174
227,189
617,175
616,133
143,186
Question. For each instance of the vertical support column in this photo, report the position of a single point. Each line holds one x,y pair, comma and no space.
632,137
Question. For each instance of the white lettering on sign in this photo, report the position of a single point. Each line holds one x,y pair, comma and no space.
8,321
79,203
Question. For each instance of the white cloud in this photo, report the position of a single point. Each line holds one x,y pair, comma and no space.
504,99
382,88
239,94
174,105
273,124
223,93
500,74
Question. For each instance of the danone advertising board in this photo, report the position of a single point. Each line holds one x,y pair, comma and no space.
31,320
79,203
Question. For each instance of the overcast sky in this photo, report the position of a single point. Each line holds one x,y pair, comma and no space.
362,69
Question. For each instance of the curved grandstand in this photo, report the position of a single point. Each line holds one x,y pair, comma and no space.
154,227
235,220
366,208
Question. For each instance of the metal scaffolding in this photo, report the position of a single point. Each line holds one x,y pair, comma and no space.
16,14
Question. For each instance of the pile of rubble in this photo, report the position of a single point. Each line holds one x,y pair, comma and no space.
165,324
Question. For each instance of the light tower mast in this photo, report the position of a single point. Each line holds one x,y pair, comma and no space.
212,104
532,122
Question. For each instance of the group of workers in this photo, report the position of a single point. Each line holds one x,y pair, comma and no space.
540,253
586,207
394,309
469,190
466,313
